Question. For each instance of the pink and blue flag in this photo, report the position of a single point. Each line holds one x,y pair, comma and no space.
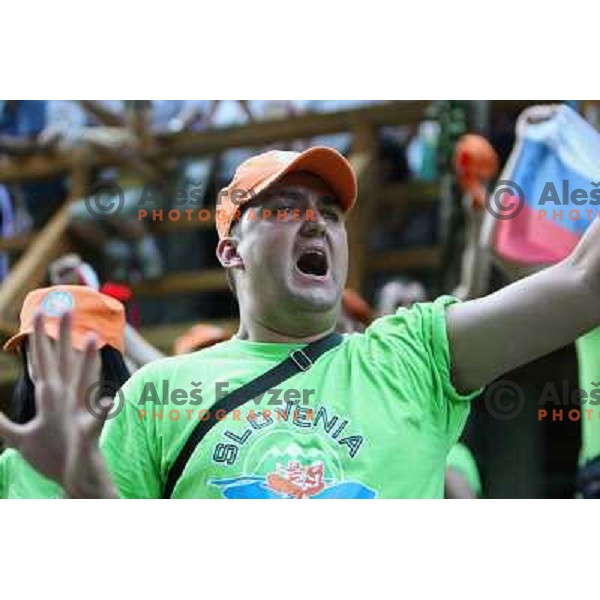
549,191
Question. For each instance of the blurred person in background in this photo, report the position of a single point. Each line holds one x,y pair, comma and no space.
476,165
21,125
199,337
123,128
93,336
116,128
399,293
71,270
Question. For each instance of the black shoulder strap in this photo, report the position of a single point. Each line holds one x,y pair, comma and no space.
298,360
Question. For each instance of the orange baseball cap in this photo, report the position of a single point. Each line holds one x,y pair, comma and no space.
198,337
258,173
91,312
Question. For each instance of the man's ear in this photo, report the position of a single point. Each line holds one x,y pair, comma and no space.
228,255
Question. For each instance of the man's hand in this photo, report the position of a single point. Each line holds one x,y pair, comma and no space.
61,442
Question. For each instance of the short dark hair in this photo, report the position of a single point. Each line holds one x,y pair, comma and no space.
113,373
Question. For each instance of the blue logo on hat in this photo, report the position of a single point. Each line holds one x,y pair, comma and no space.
57,303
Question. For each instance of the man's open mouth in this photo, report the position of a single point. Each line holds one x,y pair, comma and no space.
313,262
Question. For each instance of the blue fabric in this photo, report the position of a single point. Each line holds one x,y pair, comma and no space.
538,165
25,118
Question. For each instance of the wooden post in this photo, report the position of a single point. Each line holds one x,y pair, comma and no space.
31,270
364,161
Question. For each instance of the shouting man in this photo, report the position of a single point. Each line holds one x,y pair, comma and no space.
371,414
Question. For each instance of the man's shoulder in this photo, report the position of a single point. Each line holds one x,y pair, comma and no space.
430,313
171,365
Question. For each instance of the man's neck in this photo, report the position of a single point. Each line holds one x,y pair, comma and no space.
256,332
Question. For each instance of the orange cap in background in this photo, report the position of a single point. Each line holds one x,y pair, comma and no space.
91,312
258,173
475,161
198,337
356,306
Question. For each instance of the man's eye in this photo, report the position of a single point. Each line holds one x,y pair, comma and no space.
331,214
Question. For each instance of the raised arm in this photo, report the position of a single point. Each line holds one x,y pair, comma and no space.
138,349
61,442
523,321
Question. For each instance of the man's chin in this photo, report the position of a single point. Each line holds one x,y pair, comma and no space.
317,299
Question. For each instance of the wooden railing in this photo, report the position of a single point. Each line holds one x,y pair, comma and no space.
42,247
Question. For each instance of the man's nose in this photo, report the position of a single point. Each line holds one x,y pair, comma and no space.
314,223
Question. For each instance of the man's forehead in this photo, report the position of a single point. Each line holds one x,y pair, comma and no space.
302,181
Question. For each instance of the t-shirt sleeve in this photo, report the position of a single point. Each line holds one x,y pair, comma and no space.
412,348
128,443
3,476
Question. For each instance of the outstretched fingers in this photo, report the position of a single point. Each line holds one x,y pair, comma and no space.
94,420
85,376
42,349
11,433
65,350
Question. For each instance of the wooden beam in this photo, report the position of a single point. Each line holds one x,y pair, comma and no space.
519,105
209,280
358,224
104,115
401,260
34,167
281,130
16,146
216,140
412,192
32,268
16,243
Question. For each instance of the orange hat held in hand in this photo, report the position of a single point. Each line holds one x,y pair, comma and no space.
475,161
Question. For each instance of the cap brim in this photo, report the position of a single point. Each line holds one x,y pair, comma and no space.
330,166
78,338
14,343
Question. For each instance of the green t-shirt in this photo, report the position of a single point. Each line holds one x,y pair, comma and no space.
377,417
588,357
19,480
462,460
